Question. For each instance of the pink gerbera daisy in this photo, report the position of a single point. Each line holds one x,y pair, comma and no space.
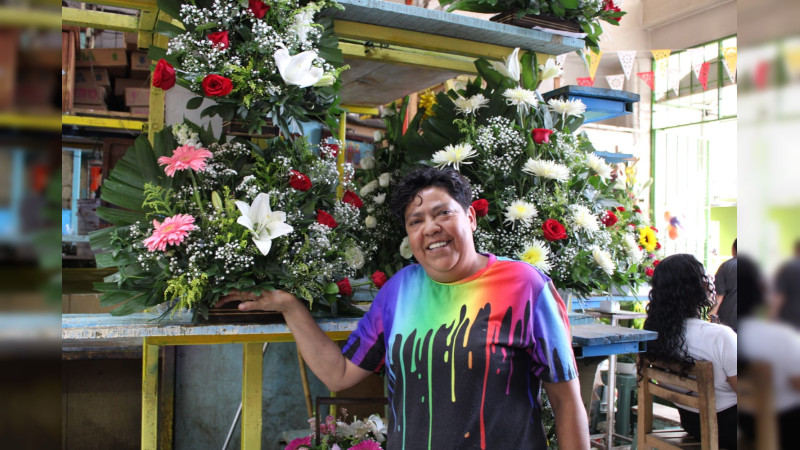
185,157
366,445
299,443
171,232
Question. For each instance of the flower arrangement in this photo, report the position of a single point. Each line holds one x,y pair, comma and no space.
257,60
586,13
541,195
369,434
203,216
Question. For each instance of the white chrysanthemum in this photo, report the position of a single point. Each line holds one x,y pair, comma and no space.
371,222
635,254
535,254
567,107
380,198
583,218
377,136
405,249
546,169
598,165
521,211
520,97
454,155
603,259
550,69
367,162
384,179
472,104
369,188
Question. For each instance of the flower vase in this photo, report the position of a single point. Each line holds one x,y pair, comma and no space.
542,20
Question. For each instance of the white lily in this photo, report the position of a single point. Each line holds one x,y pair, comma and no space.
264,223
511,68
550,69
298,69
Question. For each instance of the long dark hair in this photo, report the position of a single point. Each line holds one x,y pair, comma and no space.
681,290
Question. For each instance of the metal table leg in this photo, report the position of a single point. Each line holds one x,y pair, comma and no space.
252,379
149,396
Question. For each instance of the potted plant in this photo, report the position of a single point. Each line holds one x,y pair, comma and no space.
626,364
569,15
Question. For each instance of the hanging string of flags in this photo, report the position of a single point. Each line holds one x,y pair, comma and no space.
700,67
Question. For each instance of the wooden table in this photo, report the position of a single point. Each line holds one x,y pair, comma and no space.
104,330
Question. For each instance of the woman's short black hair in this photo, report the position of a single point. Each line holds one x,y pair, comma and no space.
448,179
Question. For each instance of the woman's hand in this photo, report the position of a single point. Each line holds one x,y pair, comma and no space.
275,300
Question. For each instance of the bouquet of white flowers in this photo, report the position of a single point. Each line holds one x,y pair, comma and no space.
203,216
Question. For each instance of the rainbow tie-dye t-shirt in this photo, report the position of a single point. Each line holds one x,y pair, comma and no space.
465,360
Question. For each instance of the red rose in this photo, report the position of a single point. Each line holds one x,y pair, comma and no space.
649,271
351,198
656,262
636,209
217,85
481,207
609,219
621,208
326,219
219,39
541,135
553,230
299,181
379,278
258,8
610,6
658,245
164,75
344,287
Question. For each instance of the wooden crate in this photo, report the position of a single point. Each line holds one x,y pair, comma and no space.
70,47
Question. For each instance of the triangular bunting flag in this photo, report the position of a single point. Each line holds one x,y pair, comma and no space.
702,75
585,82
594,62
560,59
730,61
626,59
648,77
661,57
616,81
675,81
791,54
697,58
761,76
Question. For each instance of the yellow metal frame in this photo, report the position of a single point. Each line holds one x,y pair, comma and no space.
252,379
104,122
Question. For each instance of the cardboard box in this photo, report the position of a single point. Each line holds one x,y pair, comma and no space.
94,77
90,95
132,41
86,107
114,59
9,39
137,97
140,65
120,84
139,110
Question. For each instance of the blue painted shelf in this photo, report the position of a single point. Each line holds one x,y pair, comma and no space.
601,104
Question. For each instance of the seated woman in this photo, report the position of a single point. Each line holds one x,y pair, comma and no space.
681,296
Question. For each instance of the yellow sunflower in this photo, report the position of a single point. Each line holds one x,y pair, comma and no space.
647,238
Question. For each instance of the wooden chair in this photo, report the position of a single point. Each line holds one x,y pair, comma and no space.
662,380
757,397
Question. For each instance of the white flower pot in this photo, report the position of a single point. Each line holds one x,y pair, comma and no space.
626,368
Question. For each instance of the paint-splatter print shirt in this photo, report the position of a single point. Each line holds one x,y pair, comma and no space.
465,360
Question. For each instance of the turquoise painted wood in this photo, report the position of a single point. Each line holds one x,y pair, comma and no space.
394,15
